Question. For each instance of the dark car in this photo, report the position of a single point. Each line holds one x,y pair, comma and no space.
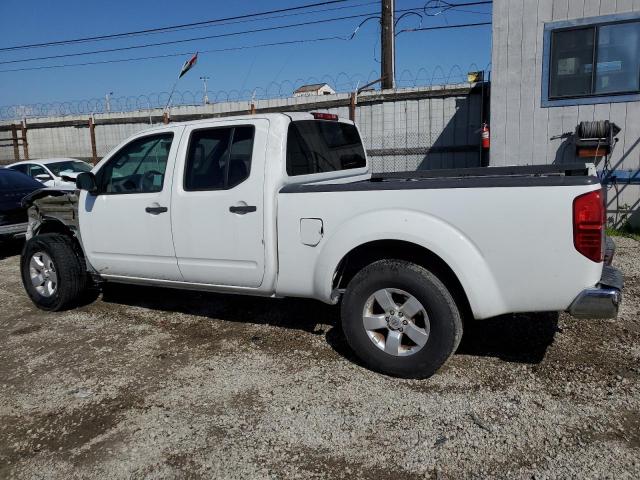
14,186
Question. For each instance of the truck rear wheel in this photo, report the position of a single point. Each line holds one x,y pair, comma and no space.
400,319
53,272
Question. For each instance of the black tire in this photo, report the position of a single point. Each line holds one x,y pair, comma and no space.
444,318
73,282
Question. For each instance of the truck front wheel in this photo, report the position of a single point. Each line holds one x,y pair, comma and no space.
53,272
400,319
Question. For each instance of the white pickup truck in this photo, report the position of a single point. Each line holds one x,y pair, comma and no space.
285,205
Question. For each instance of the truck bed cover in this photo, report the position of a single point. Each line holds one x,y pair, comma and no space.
484,177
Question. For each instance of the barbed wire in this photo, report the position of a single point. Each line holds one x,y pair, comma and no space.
341,83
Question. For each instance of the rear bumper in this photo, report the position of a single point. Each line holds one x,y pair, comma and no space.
14,229
603,300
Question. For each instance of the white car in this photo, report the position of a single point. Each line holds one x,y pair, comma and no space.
284,205
53,172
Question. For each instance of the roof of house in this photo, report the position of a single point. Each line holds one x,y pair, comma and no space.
311,87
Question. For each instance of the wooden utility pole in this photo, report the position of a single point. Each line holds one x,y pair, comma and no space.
25,143
14,140
388,43
353,99
92,136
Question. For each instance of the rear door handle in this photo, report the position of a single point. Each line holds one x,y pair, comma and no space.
156,210
242,209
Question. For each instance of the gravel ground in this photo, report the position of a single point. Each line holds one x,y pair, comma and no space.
148,383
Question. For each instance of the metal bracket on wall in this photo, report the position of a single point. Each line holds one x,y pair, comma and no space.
622,177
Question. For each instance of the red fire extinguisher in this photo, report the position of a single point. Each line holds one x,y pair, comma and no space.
486,137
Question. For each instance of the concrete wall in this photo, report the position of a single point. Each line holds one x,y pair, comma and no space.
520,127
404,129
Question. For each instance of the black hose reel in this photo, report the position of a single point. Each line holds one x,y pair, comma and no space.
595,139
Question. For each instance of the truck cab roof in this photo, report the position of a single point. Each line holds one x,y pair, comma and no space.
286,116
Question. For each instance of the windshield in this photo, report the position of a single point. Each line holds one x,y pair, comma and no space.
70,166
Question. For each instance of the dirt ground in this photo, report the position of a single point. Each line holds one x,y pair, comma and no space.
149,383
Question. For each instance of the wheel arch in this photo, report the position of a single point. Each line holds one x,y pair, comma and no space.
370,252
417,237
54,225
70,278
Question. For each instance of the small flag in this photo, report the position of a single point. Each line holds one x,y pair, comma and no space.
188,65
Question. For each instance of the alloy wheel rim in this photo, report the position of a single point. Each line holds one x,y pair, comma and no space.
396,322
44,277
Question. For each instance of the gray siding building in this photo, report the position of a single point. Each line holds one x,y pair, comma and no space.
544,83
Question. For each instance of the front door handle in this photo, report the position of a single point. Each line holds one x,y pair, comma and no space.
242,209
156,210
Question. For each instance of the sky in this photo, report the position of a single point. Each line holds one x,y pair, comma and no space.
346,61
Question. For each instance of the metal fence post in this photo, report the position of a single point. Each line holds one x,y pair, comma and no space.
14,139
92,135
25,144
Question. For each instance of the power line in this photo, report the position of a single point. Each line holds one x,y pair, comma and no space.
206,37
221,23
169,28
441,27
180,54
229,49
193,39
274,17
243,19
443,6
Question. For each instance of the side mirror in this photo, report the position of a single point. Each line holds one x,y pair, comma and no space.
43,177
87,181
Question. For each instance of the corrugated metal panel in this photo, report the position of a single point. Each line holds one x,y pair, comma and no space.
520,128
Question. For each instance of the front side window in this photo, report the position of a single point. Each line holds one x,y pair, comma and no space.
35,170
218,158
139,167
316,146
595,60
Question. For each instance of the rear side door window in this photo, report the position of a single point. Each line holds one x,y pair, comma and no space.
218,158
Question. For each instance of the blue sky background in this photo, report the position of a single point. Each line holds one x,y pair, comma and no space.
34,21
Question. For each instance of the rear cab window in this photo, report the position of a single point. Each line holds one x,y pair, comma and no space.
319,146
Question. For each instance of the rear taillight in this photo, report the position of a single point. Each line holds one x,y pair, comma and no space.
588,225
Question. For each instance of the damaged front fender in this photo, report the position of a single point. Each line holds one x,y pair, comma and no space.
52,205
